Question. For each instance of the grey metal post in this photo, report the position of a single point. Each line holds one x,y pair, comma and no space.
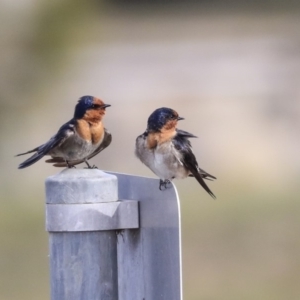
82,214
149,259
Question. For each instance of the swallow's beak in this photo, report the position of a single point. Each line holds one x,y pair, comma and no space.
105,105
180,118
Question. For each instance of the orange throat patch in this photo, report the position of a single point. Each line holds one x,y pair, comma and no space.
157,138
90,131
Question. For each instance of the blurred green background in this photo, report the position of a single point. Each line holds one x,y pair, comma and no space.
231,69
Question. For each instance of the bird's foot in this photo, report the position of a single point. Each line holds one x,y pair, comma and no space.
89,166
163,184
92,167
70,166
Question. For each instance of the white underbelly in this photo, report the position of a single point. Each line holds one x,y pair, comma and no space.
164,160
167,166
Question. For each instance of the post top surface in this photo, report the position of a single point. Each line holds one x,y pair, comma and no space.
81,186
80,173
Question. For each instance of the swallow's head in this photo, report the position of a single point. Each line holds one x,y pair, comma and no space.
163,119
90,108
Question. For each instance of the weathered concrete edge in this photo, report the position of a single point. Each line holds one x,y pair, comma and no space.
92,216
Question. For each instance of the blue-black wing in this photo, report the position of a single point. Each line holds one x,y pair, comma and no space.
183,145
60,162
63,133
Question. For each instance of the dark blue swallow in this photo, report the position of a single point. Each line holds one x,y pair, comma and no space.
167,151
78,140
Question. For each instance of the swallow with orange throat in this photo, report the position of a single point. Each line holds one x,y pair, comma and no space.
78,140
167,151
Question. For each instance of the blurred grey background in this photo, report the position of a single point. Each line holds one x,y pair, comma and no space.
232,69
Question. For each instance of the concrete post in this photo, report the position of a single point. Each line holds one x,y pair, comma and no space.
82,214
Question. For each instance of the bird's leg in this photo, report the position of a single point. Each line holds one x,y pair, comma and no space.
163,184
89,166
69,166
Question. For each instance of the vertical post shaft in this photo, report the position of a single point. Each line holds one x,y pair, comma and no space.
83,264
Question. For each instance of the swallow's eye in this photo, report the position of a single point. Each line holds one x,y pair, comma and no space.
95,106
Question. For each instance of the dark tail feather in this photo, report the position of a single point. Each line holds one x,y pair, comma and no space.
199,178
31,160
206,175
30,151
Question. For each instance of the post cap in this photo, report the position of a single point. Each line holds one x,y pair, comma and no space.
77,186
